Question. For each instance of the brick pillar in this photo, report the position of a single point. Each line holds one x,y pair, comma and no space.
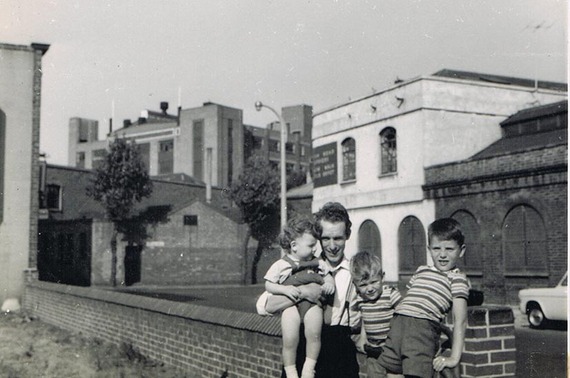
490,349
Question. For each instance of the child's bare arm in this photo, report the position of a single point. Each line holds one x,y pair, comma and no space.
458,340
328,287
290,292
360,340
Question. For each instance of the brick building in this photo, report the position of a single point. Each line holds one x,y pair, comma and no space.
20,100
511,199
179,143
371,154
179,244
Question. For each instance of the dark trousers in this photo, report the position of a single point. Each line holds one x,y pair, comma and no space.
337,358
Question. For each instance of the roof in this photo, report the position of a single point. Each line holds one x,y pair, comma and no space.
537,112
498,79
528,137
180,178
167,195
144,127
461,75
301,192
521,143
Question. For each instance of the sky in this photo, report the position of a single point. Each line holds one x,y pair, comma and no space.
116,58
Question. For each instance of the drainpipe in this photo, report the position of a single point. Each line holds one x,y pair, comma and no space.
208,175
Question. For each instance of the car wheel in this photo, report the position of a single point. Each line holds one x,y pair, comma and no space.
536,317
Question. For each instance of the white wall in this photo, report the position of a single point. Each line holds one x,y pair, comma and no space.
440,120
16,101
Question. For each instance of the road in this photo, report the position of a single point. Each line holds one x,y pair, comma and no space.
541,352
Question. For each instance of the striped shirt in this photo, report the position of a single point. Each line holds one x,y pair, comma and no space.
376,315
431,293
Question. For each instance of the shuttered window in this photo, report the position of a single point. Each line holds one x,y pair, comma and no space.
411,244
524,241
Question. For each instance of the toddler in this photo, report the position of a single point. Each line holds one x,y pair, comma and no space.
299,266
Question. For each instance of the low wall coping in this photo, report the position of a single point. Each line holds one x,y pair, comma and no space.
268,325
213,315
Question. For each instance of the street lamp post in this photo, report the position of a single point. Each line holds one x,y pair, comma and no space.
258,106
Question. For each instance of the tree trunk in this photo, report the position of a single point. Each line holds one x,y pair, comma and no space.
114,256
258,252
246,255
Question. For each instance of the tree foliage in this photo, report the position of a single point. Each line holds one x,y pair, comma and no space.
120,182
296,178
256,192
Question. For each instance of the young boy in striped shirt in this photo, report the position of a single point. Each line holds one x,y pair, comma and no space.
433,291
376,305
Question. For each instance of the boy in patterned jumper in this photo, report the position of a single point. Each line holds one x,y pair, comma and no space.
377,306
433,291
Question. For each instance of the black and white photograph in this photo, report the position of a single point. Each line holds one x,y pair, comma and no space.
294,189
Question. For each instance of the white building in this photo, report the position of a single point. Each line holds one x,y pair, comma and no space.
370,154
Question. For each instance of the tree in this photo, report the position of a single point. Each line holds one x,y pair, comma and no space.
256,192
120,182
296,177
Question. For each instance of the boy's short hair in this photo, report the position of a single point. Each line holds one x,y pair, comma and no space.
294,229
332,212
446,229
365,265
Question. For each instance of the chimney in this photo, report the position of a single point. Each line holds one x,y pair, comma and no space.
110,125
126,123
209,175
164,107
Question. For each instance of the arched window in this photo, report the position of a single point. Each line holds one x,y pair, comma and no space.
388,151
348,159
369,238
524,241
472,260
411,244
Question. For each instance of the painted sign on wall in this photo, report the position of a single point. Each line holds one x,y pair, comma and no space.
325,165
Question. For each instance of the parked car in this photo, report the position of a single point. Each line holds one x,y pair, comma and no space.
543,304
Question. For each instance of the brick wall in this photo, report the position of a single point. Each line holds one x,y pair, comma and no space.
528,161
205,341
197,339
489,343
35,169
488,189
490,210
